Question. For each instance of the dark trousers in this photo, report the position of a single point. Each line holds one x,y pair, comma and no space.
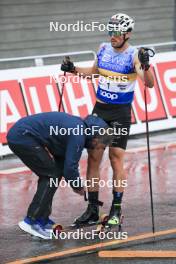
46,167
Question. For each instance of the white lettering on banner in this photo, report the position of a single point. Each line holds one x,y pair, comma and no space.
168,75
25,97
76,102
87,95
152,106
7,102
35,99
51,97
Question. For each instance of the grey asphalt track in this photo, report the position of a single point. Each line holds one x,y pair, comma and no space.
16,191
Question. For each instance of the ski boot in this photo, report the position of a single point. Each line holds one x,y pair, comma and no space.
89,217
115,216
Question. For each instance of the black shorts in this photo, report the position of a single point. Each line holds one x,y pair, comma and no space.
119,118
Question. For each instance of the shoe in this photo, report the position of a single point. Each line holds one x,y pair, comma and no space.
115,214
34,228
47,223
90,216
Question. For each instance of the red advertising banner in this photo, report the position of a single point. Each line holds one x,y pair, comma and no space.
24,93
78,97
155,105
41,94
167,73
12,106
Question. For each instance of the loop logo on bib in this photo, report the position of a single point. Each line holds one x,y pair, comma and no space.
111,96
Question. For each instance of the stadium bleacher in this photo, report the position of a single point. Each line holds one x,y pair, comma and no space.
24,24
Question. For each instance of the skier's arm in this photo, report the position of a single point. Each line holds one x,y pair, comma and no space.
73,153
90,72
87,71
68,66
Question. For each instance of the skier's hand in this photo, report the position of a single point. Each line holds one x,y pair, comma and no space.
67,65
143,56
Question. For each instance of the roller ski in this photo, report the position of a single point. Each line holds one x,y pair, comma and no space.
58,228
89,218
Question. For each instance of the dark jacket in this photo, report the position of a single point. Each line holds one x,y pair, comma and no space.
48,129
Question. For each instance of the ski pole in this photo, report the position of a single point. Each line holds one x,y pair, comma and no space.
67,59
149,159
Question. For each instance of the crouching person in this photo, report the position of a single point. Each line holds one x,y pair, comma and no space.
37,141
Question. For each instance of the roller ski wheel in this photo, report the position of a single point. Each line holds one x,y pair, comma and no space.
103,218
102,222
57,229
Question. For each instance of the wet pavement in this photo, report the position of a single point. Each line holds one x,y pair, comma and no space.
17,189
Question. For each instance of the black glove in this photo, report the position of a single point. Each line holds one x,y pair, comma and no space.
67,65
143,56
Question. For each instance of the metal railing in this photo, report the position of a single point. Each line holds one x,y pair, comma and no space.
157,45
41,59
